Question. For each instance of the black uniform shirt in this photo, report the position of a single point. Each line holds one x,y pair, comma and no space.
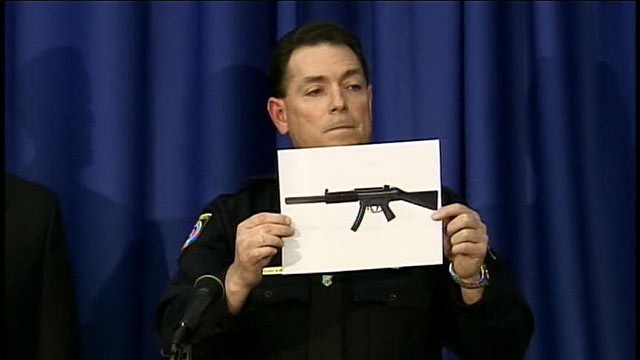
406,313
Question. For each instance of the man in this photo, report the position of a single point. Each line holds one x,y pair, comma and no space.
40,312
322,97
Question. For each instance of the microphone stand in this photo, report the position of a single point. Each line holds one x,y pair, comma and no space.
180,346
180,352
206,286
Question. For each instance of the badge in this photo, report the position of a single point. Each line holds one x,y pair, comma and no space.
197,229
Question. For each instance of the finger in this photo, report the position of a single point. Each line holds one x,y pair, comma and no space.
264,218
470,237
259,254
265,261
269,240
258,240
276,229
468,249
450,210
465,221
465,235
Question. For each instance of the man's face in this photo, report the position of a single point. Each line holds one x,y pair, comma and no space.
328,102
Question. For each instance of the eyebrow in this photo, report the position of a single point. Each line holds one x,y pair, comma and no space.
322,78
352,72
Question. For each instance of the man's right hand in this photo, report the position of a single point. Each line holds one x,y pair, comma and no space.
258,239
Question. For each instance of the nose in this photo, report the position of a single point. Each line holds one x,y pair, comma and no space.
338,102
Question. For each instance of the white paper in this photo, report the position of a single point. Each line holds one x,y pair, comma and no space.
324,242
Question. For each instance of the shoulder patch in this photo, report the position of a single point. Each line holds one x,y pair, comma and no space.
197,229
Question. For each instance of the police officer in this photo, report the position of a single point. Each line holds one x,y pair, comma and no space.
321,96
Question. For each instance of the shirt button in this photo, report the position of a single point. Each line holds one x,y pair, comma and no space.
393,296
268,294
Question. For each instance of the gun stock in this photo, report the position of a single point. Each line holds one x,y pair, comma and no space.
427,199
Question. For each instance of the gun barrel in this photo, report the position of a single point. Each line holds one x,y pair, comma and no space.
304,199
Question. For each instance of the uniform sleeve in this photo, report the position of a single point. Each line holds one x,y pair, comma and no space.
58,318
499,326
207,251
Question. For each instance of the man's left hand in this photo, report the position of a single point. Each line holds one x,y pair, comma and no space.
466,240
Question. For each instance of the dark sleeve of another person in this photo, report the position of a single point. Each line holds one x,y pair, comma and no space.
39,291
58,319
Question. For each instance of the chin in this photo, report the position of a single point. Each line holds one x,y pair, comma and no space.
346,140
334,138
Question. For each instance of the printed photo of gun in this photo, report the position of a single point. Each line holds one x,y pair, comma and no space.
375,199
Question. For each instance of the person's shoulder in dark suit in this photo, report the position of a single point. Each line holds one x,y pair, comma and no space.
24,194
40,307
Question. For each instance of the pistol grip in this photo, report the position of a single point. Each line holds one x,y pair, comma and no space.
387,212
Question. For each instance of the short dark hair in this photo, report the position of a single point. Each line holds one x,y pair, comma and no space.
310,34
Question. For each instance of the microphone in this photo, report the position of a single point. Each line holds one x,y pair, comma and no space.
208,289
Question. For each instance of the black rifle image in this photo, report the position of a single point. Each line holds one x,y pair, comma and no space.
374,198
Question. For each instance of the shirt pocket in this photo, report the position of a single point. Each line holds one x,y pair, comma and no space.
274,317
395,309
398,288
277,289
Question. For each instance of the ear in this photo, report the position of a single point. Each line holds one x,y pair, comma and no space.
276,108
370,93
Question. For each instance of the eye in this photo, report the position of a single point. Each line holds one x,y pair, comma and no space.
354,87
313,92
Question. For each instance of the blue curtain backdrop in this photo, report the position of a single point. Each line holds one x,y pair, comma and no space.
138,113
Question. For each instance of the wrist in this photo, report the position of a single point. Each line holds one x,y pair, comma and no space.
236,291
476,282
471,296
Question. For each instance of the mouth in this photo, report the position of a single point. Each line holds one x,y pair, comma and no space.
339,127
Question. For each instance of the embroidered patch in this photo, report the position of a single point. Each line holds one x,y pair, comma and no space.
197,229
